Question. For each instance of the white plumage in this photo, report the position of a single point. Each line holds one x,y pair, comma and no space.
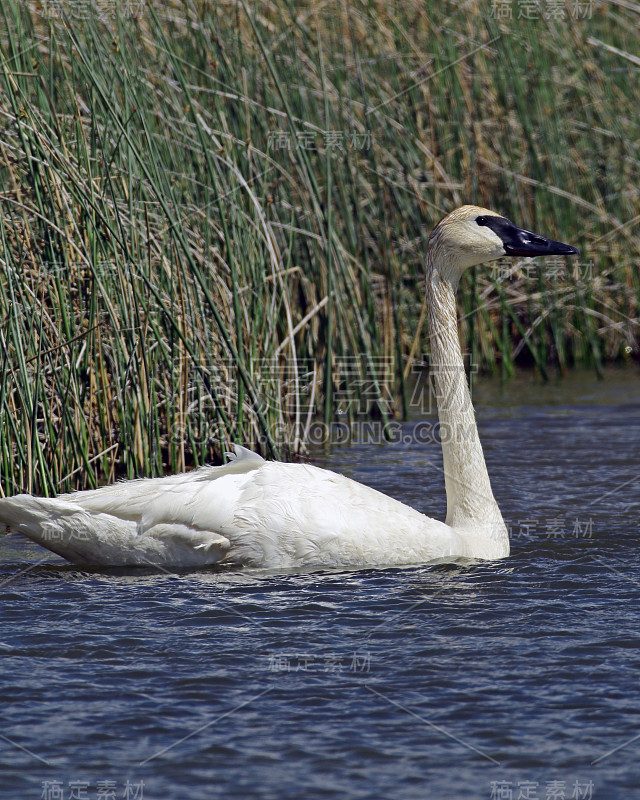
250,511
269,514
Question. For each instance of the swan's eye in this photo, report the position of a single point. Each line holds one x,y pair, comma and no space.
481,220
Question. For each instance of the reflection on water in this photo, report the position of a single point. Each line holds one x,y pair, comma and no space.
435,681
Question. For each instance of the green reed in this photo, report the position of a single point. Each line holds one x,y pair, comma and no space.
214,214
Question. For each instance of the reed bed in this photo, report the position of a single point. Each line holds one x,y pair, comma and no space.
213,214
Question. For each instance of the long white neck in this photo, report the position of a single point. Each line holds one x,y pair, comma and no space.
470,501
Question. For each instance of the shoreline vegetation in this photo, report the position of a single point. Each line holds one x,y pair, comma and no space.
213,215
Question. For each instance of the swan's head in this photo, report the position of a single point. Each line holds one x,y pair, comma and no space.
471,235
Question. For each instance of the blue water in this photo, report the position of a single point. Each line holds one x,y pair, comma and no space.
510,679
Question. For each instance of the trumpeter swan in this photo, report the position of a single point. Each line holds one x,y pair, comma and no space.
268,514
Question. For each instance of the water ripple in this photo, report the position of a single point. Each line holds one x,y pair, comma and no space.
433,681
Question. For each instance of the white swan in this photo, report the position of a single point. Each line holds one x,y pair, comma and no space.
268,514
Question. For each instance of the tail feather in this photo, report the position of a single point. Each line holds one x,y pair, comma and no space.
65,528
92,537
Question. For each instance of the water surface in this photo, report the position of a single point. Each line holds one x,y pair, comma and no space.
447,681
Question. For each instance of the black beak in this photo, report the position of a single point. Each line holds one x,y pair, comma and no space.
520,242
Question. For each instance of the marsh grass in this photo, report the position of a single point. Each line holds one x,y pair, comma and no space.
213,214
